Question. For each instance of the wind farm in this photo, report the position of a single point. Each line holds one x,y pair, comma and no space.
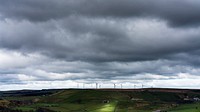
99,55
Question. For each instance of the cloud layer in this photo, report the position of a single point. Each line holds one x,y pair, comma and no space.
175,12
105,41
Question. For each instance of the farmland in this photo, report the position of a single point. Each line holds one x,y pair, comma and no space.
101,100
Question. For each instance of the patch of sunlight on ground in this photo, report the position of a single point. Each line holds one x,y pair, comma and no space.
107,108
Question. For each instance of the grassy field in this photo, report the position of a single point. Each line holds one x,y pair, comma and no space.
116,101
186,108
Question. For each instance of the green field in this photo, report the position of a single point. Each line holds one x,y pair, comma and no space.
106,101
186,108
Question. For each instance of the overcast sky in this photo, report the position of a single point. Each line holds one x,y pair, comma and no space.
65,43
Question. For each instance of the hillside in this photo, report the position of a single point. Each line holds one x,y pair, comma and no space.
105,100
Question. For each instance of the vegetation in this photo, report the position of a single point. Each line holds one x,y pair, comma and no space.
102,100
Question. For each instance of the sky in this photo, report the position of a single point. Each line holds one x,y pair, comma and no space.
77,43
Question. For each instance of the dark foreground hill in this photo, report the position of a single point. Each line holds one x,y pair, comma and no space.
101,100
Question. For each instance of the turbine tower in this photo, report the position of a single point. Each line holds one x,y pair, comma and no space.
77,85
83,85
96,85
114,85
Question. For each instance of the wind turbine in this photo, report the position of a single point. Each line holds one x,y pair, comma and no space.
96,85
77,85
83,85
91,86
114,85
142,83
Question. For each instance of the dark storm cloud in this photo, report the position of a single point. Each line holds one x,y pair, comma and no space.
9,79
80,30
47,40
98,40
175,12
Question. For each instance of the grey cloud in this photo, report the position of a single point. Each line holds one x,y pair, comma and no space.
91,72
9,79
98,40
184,13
